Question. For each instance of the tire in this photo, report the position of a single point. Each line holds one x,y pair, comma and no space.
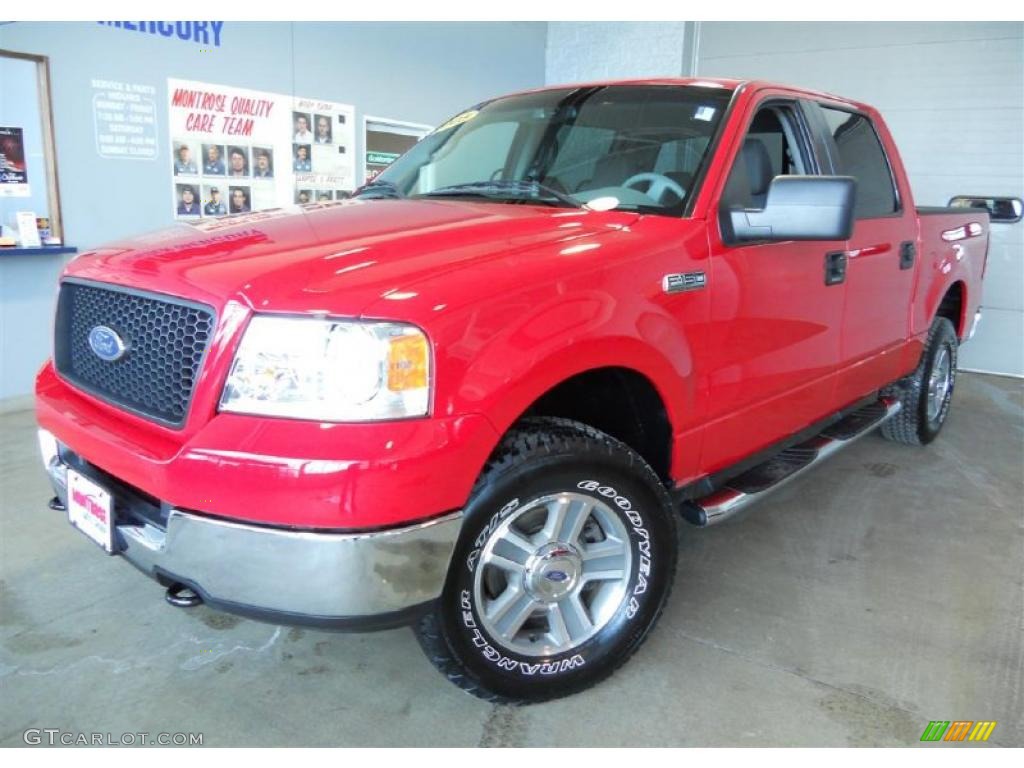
611,564
925,399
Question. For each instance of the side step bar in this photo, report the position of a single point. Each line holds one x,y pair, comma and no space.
740,492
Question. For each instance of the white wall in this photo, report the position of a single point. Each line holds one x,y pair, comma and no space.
578,51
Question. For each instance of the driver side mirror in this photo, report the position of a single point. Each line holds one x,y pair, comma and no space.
796,208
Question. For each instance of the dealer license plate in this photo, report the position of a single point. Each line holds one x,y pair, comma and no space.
91,510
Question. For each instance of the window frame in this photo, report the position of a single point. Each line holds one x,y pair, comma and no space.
833,157
49,139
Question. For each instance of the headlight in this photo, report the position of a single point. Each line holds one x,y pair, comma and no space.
329,370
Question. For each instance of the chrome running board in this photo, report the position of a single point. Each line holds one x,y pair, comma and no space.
753,485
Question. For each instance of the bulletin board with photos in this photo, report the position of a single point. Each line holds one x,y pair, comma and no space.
236,150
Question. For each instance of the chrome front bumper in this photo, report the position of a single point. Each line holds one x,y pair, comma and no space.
361,580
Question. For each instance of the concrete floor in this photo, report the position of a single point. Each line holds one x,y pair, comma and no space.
881,591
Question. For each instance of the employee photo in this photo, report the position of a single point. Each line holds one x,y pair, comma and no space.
184,159
238,161
188,203
240,200
213,160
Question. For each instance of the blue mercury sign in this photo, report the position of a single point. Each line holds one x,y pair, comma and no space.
201,32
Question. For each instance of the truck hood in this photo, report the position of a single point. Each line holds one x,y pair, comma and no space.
335,258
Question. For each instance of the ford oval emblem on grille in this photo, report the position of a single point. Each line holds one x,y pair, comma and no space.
106,344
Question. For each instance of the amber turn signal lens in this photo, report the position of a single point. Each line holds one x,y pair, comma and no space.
408,361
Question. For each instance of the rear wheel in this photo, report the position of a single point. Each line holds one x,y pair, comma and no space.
564,563
927,393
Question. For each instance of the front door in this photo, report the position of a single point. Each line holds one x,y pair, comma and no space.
776,308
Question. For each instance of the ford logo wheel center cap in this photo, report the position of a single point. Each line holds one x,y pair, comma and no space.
553,572
106,344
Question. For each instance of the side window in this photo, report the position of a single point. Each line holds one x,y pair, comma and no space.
861,156
771,148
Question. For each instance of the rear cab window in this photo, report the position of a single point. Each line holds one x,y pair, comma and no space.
857,151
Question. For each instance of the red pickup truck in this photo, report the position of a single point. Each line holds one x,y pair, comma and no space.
477,397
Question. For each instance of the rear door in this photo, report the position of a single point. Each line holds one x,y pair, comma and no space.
882,255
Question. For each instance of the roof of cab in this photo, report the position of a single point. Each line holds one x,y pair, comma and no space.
725,83
711,82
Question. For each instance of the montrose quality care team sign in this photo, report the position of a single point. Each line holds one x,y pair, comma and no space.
236,150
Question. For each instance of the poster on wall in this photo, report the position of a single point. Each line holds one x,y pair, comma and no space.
386,140
13,172
236,150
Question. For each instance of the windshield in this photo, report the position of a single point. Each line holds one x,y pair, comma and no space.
623,147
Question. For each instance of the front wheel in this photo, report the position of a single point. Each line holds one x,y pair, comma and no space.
564,563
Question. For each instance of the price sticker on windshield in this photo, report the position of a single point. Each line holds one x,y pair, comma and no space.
465,117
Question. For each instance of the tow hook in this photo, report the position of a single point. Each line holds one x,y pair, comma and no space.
182,596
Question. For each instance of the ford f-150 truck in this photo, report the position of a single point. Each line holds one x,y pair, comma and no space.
477,397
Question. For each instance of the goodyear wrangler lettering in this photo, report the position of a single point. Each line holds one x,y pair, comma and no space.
507,663
524,667
485,534
644,543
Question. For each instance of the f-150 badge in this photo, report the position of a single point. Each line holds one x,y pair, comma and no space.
687,281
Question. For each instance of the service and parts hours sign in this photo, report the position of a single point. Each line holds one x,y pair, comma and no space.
237,151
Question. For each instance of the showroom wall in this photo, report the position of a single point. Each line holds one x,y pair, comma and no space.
417,72
584,50
952,93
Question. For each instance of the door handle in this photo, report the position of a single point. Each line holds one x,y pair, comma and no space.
908,252
835,267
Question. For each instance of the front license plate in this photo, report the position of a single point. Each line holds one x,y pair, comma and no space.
91,510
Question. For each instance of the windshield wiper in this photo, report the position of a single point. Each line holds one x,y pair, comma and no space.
378,190
506,190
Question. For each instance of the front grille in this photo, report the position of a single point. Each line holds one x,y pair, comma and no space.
165,340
